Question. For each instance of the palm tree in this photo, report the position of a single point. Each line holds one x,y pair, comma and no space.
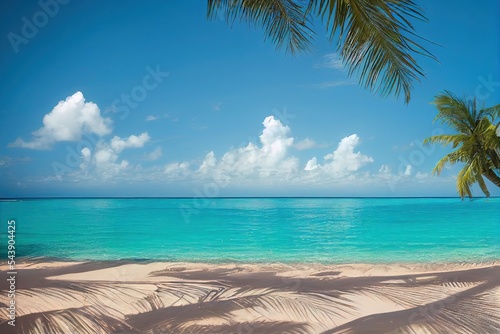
476,144
375,38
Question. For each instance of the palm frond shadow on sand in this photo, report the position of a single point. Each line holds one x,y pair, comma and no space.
238,301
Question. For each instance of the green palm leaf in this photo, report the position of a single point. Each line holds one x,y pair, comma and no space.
476,142
284,21
375,38
455,140
377,41
450,158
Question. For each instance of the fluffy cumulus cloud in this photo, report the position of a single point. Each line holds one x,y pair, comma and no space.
404,179
268,158
269,163
67,122
176,170
118,144
343,161
311,164
104,161
70,120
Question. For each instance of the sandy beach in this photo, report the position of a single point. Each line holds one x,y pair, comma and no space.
163,297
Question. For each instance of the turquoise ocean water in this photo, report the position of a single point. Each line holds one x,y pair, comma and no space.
327,230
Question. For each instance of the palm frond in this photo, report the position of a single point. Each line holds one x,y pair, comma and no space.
377,41
483,186
450,158
476,143
465,179
455,112
284,21
493,112
491,142
444,140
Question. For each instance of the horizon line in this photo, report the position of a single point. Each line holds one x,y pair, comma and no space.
236,197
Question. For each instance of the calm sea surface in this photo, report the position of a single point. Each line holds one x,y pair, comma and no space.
328,230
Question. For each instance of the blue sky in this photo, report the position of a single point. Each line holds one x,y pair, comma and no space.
152,99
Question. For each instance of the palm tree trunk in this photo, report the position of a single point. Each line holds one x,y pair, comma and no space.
492,176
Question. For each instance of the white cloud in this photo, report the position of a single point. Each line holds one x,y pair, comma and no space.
208,164
151,118
408,170
155,155
422,176
332,61
118,144
312,164
340,168
265,164
264,160
104,162
177,170
384,170
67,122
86,152
86,158
344,160
305,144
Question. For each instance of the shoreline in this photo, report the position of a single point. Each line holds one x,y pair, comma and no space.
32,260
22,262
186,297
